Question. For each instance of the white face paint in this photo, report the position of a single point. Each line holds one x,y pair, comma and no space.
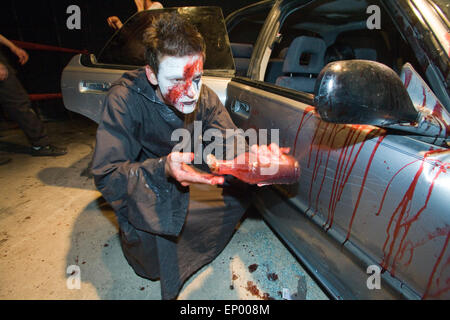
180,81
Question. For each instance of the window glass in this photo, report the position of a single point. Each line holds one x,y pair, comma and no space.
243,31
323,32
248,27
126,48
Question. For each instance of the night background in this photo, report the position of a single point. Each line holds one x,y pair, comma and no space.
44,22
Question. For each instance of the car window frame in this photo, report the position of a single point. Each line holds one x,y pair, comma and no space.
229,71
236,17
268,34
283,8
411,25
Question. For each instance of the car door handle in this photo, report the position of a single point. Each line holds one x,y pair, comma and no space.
94,86
241,108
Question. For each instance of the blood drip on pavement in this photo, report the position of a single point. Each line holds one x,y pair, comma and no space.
252,268
253,289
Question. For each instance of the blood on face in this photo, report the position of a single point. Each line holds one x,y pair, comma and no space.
180,81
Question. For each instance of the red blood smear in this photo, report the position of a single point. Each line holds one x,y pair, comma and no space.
177,91
388,185
408,77
401,209
438,233
313,140
405,221
342,175
252,288
252,268
307,110
339,181
334,135
430,279
380,138
437,112
342,172
316,163
447,37
272,276
424,103
407,224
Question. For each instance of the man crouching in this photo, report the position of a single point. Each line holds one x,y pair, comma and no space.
172,218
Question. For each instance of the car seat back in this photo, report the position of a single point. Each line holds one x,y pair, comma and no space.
304,60
275,67
242,53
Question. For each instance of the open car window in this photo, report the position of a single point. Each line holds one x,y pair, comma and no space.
126,48
327,31
243,30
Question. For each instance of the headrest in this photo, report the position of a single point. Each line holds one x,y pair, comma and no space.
241,50
310,50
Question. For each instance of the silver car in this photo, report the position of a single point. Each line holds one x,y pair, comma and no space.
359,91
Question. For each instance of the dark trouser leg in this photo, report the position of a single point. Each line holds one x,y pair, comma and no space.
212,218
14,99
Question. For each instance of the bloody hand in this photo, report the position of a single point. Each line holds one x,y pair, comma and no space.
178,168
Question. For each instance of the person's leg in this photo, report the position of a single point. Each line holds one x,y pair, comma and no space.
14,99
213,215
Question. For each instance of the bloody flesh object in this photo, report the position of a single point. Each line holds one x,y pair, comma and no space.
246,167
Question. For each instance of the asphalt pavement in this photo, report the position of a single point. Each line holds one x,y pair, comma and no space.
59,238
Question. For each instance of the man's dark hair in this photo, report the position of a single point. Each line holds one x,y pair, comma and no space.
172,35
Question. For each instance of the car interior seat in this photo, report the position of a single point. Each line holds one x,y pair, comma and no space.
304,60
242,53
275,67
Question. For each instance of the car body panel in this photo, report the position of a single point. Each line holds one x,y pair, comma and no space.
342,191
382,197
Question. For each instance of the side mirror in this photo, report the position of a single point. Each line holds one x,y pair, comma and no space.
362,92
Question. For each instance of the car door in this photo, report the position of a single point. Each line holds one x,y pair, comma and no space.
367,200
87,78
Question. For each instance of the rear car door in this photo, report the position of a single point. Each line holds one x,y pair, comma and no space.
367,200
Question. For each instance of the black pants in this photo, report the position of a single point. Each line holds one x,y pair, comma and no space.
212,217
14,100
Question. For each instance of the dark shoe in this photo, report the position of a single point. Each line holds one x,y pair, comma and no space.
4,160
49,150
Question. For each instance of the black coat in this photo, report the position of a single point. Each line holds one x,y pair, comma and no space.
159,238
